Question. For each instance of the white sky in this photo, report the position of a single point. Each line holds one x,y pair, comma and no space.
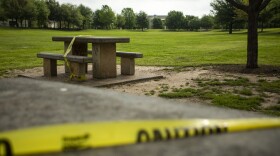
151,7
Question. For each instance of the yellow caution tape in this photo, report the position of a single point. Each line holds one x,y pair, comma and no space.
65,137
68,50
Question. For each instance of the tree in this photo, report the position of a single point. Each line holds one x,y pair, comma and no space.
106,16
192,22
22,9
12,10
130,18
87,15
43,13
207,22
142,20
96,22
224,13
240,20
157,23
252,9
71,15
55,12
65,14
175,20
3,15
30,12
76,18
264,17
188,18
272,12
120,21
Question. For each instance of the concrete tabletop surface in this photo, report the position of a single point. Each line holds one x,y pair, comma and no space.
92,39
26,103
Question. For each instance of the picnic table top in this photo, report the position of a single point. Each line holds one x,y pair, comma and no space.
92,39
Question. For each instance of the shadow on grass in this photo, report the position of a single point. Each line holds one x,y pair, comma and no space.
218,32
244,32
269,33
268,70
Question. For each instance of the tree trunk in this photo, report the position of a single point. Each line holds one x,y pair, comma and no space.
262,26
230,27
252,46
17,23
29,23
21,23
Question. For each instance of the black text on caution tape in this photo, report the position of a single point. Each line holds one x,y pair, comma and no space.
177,133
5,145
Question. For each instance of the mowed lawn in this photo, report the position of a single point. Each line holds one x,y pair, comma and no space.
18,47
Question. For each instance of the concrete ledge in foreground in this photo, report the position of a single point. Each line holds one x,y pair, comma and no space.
26,103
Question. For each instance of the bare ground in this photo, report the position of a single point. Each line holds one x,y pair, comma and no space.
184,77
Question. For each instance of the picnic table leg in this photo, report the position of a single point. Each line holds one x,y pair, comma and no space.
66,44
49,67
104,60
127,66
79,49
78,70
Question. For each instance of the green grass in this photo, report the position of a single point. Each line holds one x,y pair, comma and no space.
217,97
240,81
273,86
177,95
180,93
18,47
237,102
246,91
231,93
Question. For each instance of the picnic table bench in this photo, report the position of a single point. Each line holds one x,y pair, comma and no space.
77,63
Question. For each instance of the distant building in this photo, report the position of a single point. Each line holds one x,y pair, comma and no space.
12,23
151,17
4,23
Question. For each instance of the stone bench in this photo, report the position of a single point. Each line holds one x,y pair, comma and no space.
77,64
127,61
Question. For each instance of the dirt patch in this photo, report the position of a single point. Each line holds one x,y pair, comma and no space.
186,77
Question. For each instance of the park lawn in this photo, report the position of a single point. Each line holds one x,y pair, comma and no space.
18,47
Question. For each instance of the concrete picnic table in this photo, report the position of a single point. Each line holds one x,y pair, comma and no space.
103,52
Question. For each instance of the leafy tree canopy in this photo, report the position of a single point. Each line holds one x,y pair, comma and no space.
157,23
207,21
120,21
106,16
142,20
175,20
130,18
